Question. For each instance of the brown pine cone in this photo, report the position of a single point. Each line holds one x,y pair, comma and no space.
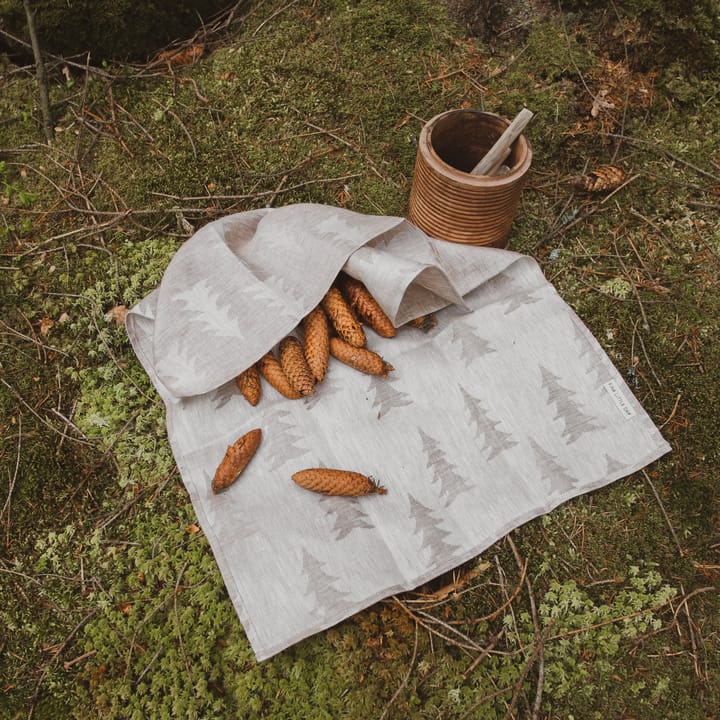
236,458
361,359
248,382
294,365
272,371
367,308
337,482
602,179
343,318
317,342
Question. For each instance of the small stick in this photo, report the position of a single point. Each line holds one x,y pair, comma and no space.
499,152
664,513
41,76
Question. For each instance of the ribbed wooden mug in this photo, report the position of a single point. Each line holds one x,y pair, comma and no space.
446,200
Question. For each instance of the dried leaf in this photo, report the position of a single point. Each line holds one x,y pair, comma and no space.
186,56
45,325
117,314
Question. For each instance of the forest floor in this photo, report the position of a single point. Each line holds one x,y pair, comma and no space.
112,604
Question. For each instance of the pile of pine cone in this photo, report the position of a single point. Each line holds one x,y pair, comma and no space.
333,328
297,369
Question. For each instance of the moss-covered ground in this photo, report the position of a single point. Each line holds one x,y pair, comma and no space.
111,604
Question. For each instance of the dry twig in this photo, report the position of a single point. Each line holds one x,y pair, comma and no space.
664,513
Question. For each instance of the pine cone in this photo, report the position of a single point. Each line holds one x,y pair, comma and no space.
359,358
236,458
317,342
248,382
425,322
343,318
367,308
337,482
272,371
294,365
602,179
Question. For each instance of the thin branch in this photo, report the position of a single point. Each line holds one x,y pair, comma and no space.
40,75
46,669
177,621
664,513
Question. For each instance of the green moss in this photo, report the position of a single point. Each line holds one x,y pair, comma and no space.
101,529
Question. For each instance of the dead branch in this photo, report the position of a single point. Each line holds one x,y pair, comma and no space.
434,631
664,513
60,649
537,628
11,486
40,75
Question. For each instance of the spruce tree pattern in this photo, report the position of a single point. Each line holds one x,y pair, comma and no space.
593,363
321,585
387,397
327,388
222,395
508,293
209,313
280,302
612,465
285,440
471,345
516,296
554,475
433,537
568,410
495,440
347,515
444,474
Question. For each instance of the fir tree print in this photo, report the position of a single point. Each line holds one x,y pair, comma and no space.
515,296
433,538
262,298
552,473
222,395
613,466
321,586
593,363
444,473
347,515
285,440
387,397
568,410
209,314
471,345
495,440
329,387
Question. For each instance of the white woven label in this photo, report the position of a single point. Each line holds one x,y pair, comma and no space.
620,400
